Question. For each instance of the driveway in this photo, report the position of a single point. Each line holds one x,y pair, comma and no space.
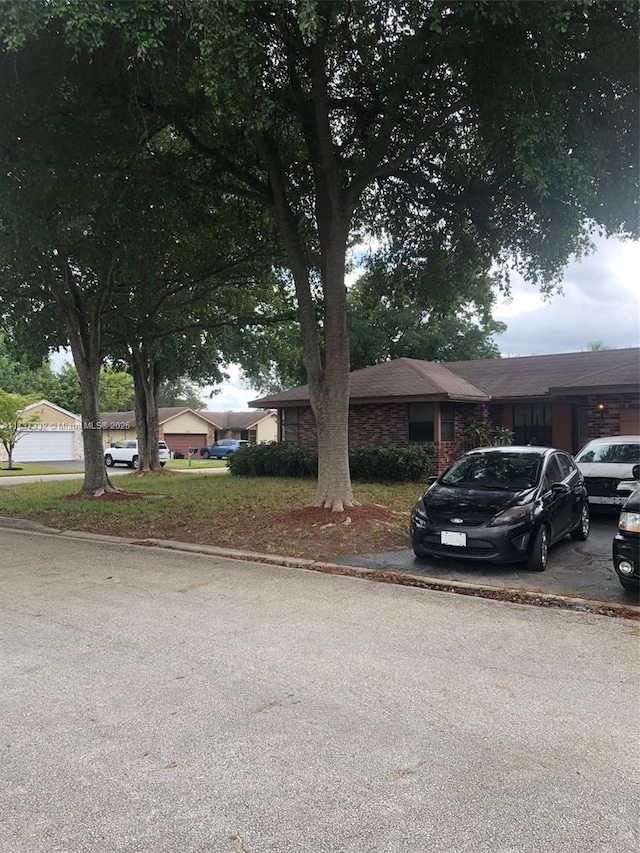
169,702
575,569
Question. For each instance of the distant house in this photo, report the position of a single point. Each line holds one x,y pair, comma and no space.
559,400
182,427
56,435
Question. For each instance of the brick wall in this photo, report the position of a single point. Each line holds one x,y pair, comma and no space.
388,425
603,422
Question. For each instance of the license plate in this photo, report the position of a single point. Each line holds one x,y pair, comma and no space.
449,537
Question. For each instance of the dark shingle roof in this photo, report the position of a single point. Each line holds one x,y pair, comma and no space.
535,375
235,420
499,378
401,378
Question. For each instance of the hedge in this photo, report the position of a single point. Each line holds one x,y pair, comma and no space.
373,464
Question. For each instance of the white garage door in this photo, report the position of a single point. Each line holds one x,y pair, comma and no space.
43,446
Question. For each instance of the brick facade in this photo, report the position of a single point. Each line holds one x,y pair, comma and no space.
387,425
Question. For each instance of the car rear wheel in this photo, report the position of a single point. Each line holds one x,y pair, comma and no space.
581,532
162,464
205,454
537,561
108,460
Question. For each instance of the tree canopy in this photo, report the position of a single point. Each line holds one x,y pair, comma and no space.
468,133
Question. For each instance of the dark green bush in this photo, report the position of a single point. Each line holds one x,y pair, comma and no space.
373,464
273,460
390,464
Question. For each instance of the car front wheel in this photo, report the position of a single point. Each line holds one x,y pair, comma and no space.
631,585
537,561
134,461
108,460
581,532
205,454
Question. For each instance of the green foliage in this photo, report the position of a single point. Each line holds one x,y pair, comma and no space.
367,464
179,392
18,377
271,459
116,389
482,436
13,421
390,464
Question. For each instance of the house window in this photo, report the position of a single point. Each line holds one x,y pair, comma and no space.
421,422
447,421
532,424
289,426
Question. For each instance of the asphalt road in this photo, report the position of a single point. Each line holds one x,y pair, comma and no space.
161,702
575,569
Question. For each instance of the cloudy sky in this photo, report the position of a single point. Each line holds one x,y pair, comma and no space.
600,302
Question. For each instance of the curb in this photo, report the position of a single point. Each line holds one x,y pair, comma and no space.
512,595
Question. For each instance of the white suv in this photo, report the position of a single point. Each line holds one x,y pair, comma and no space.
127,453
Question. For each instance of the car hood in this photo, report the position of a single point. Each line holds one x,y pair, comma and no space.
491,501
616,470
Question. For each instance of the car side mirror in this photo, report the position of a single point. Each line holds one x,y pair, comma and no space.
635,472
431,480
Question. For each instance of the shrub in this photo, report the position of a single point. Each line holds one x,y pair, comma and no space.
273,460
390,464
373,464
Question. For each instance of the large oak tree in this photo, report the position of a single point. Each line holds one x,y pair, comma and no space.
510,125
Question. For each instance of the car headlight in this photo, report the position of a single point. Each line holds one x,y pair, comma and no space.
629,521
419,508
512,515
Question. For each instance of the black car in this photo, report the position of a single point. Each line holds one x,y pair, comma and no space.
502,505
626,543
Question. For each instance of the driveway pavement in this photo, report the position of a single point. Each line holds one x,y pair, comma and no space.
575,569
161,701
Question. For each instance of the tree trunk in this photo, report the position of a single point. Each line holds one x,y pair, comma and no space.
146,381
330,395
95,473
82,316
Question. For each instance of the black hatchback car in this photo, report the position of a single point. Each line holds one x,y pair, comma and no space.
502,505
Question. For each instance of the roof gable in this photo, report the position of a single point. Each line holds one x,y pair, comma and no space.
53,406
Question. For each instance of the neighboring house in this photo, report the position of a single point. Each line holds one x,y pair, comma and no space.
256,427
558,400
182,427
56,436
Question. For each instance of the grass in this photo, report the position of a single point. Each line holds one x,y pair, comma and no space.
255,514
178,464
26,469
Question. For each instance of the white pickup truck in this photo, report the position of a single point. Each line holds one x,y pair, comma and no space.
126,452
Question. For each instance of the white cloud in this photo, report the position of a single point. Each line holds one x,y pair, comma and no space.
600,302
233,396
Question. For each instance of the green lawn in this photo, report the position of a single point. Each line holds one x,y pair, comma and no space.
178,464
28,469
258,514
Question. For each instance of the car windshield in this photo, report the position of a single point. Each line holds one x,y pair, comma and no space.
224,442
622,454
501,471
